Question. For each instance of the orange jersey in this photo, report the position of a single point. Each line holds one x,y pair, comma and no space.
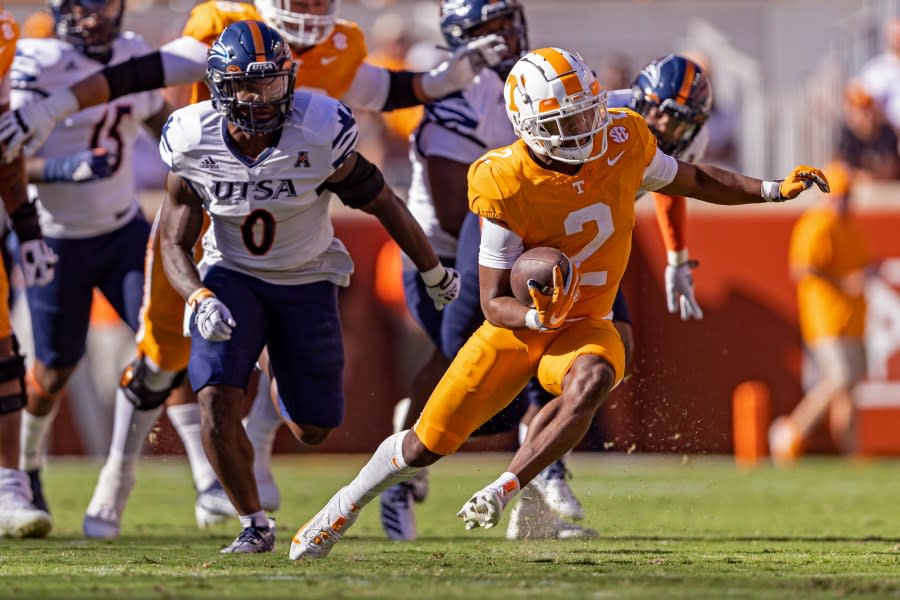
9,34
835,246
328,68
589,215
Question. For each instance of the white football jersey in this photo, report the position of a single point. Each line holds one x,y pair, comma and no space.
270,215
460,127
80,210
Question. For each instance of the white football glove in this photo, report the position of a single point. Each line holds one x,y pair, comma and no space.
442,285
214,320
28,127
459,71
680,287
37,260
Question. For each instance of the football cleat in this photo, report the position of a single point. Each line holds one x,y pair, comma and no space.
253,540
532,519
37,491
19,518
785,441
554,489
213,506
103,517
316,539
484,509
397,517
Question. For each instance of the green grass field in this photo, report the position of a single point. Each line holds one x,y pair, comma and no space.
673,527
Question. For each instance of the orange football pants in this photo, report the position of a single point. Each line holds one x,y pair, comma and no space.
495,364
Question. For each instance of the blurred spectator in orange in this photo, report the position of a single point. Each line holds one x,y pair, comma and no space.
866,141
38,24
881,75
829,261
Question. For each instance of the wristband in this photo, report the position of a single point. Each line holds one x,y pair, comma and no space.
533,320
433,277
25,222
198,296
677,257
61,104
771,191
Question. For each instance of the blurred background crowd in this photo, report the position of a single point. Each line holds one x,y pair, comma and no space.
795,81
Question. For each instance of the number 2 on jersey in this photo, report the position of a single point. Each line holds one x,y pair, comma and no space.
601,215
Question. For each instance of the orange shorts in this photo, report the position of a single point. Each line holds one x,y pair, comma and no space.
160,338
495,364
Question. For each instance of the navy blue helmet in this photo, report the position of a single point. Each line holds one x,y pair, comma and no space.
89,25
250,73
676,86
465,20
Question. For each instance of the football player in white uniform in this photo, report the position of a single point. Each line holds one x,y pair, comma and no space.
261,159
84,184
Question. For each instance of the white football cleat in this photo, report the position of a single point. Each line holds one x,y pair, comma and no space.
18,516
103,517
554,489
253,540
785,441
397,517
316,539
213,506
484,509
532,519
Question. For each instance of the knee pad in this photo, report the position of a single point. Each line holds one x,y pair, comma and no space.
145,388
13,369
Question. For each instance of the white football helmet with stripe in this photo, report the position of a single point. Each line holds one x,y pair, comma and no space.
555,104
299,28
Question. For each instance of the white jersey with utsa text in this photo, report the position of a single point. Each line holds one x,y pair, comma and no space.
460,127
269,216
80,210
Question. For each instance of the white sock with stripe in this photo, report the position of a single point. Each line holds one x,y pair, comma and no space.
384,469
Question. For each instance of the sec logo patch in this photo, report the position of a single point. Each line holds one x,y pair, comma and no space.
618,134
340,41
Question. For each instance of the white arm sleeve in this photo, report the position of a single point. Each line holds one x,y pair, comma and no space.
660,172
369,88
184,60
500,247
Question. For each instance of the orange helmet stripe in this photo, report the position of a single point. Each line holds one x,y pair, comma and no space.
259,46
685,90
563,69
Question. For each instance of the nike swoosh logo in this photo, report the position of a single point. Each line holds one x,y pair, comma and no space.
327,60
612,161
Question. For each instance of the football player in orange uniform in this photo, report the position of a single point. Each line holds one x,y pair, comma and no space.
331,54
569,183
18,516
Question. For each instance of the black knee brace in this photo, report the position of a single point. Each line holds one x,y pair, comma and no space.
13,368
133,384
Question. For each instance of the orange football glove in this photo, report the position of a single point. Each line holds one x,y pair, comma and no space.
552,310
801,179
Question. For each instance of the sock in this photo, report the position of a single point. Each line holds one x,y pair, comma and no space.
262,424
384,469
34,439
257,519
508,486
130,428
186,420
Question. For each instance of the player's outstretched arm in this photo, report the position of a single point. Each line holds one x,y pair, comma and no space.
679,281
718,186
359,184
26,128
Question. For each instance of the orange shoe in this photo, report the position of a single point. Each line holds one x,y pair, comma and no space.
785,441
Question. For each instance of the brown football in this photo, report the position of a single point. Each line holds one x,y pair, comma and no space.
536,264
